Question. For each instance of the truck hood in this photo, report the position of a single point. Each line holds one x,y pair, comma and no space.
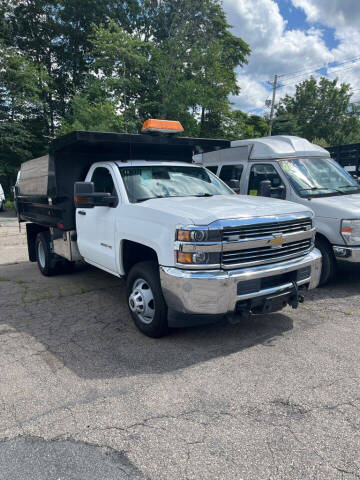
205,210
341,207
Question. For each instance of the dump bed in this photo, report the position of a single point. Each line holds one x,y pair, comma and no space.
46,187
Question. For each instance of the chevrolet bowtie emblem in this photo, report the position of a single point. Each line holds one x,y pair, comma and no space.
277,241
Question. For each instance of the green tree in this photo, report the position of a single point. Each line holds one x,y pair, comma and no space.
99,116
320,109
19,105
239,125
186,71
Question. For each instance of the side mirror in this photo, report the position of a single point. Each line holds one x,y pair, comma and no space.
234,184
282,192
86,197
265,188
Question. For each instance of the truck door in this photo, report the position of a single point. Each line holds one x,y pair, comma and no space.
96,226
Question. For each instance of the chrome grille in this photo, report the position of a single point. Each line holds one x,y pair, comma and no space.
265,254
231,234
248,245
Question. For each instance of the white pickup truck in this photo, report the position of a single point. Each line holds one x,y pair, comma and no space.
181,237
294,169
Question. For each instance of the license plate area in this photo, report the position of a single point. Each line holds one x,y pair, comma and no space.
258,284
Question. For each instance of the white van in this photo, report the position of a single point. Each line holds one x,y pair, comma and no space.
2,199
291,168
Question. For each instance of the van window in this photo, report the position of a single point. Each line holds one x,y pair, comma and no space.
231,172
260,172
213,169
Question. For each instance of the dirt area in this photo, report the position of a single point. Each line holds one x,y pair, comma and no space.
13,248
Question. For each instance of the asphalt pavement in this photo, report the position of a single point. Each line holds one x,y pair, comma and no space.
84,395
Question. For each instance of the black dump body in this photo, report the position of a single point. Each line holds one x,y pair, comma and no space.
347,155
46,186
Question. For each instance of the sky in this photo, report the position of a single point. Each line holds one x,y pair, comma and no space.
294,37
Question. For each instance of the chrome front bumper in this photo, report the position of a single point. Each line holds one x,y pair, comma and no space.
347,254
215,292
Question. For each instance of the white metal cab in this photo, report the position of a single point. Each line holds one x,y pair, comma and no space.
291,168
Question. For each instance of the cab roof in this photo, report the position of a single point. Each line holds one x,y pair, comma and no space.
280,146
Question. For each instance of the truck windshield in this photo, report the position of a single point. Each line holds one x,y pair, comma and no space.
314,177
146,182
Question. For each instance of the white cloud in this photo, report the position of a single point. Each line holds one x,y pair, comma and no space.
276,49
333,13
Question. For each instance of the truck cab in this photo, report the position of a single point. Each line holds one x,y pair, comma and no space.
136,206
291,168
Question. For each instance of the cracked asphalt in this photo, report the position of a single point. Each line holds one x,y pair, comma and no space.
83,395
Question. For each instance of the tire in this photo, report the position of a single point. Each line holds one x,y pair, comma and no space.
328,269
2,206
65,266
146,301
45,259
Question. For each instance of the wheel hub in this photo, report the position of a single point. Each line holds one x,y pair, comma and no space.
141,301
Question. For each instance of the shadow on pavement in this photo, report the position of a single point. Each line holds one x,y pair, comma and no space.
345,284
82,320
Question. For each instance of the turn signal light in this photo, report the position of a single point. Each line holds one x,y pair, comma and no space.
81,199
184,257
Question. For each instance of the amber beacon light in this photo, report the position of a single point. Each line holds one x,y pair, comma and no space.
161,126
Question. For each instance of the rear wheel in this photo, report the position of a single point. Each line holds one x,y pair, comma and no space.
46,260
328,261
146,302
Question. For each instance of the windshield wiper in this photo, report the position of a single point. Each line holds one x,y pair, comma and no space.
150,198
319,188
203,195
350,186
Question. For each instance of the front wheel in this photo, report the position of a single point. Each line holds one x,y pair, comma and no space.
146,302
328,261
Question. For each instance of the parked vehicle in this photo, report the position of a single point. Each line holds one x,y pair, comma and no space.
15,189
2,199
137,207
348,156
292,168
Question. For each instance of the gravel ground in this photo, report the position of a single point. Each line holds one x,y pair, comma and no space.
83,395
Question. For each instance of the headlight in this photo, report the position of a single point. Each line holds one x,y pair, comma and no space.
198,258
350,231
198,246
198,235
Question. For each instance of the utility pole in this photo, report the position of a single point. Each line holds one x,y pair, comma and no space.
271,121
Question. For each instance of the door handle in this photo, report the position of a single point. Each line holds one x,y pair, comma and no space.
81,212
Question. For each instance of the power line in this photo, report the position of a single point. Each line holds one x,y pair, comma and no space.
304,77
320,67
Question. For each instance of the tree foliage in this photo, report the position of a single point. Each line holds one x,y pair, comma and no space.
320,110
70,64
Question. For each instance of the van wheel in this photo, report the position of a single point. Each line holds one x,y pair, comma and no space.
45,259
145,299
2,206
328,269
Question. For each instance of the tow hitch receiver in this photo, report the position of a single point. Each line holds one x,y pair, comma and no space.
273,303
297,296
